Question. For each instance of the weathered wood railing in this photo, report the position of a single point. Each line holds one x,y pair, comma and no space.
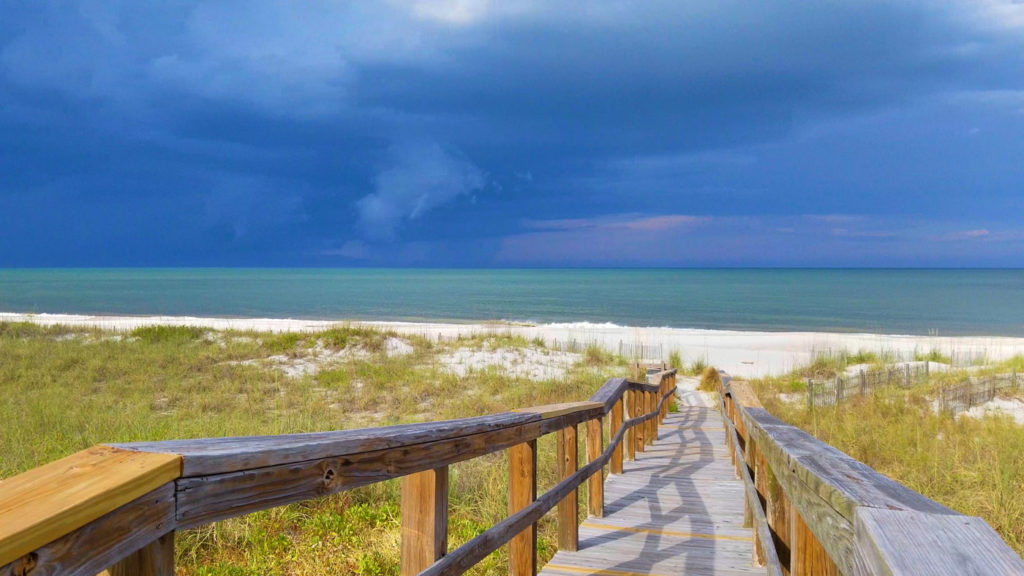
117,506
818,511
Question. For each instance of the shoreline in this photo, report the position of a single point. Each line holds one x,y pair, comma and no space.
741,353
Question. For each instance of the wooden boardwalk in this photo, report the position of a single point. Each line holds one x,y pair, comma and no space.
677,509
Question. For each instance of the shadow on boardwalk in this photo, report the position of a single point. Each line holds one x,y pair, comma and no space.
678,508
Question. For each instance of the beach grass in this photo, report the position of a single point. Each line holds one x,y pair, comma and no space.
972,465
70,388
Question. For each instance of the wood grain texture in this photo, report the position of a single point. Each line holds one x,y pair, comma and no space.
522,491
650,434
763,550
641,430
631,433
208,456
153,559
807,556
47,503
595,485
568,507
777,512
641,386
906,542
614,423
102,542
424,519
562,409
206,499
610,392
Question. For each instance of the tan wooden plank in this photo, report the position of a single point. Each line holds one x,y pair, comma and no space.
424,519
522,490
102,542
906,542
615,423
553,410
48,502
630,441
154,559
595,484
568,508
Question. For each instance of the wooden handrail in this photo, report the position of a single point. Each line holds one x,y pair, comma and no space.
764,545
186,483
830,514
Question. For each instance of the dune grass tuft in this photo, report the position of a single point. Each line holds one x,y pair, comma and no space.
710,380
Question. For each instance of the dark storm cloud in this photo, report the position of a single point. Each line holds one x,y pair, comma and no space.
440,133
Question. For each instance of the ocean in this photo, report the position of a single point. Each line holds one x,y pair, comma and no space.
921,302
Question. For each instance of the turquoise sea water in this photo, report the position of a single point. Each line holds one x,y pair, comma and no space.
944,302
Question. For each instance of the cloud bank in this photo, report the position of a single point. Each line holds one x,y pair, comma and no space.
315,126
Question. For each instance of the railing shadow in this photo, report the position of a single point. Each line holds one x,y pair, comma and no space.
676,473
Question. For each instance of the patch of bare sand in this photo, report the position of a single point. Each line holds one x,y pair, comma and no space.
531,363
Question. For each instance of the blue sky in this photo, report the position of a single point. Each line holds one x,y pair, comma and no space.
475,133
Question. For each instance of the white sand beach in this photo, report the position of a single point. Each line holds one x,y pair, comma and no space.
741,353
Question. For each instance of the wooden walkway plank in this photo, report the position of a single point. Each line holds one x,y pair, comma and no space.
676,509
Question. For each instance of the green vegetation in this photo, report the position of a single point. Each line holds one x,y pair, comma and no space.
595,356
975,466
698,367
675,360
501,340
67,389
932,356
827,365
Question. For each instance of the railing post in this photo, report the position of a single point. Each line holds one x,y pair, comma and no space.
672,399
614,424
640,399
652,424
807,557
154,559
522,491
630,438
662,383
750,456
568,508
595,484
424,519
761,485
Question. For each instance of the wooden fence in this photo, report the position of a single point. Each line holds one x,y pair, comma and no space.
834,390
117,506
976,391
955,398
817,511
628,350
